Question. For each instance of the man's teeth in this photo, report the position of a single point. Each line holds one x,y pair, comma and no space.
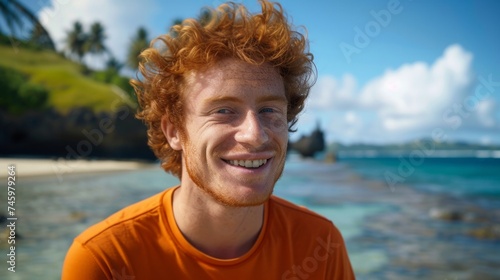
248,163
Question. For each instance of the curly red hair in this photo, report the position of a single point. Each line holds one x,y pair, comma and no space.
229,31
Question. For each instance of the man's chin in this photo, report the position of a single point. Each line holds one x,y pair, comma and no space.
244,203
238,199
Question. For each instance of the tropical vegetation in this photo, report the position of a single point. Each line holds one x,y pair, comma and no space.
139,42
16,15
35,75
18,93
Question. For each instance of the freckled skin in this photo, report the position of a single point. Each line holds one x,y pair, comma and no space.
235,111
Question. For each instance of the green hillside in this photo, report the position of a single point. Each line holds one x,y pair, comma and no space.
68,87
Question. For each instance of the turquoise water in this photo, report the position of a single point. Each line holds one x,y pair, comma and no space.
468,177
388,232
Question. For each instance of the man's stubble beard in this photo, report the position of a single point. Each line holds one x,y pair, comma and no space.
204,183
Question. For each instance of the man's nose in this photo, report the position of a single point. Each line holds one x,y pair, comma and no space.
252,131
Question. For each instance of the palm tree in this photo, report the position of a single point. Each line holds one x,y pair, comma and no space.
37,37
11,16
76,41
205,17
14,12
114,65
95,39
138,44
176,21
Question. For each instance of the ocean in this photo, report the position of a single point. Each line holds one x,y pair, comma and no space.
437,218
467,177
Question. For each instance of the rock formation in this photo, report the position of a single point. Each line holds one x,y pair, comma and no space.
80,133
308,146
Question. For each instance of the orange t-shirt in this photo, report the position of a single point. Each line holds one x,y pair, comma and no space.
142,241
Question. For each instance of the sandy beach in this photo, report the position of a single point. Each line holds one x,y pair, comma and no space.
58,168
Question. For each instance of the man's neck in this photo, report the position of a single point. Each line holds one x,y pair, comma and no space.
217,230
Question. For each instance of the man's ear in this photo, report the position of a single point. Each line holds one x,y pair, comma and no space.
171,133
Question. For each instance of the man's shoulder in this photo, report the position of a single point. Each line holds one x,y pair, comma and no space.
281,206
119,223
300,223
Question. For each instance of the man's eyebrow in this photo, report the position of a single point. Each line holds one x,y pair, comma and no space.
231,99
220,99
272,98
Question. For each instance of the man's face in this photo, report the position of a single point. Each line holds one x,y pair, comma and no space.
236,130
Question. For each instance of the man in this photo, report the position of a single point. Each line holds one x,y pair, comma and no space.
219,99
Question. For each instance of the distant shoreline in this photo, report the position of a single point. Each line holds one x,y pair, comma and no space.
58,168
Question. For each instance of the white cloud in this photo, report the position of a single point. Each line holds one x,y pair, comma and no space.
415,95
329,93
404,103
485,112
119,18
351,118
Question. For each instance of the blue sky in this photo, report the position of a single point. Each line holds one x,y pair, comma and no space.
388,70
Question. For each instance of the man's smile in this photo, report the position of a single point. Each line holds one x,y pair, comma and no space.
256,163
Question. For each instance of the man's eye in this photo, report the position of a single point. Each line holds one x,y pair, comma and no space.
267,110
224,111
